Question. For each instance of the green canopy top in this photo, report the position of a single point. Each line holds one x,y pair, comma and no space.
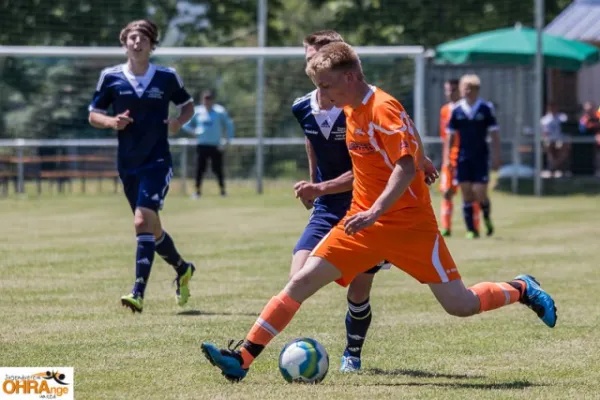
517,46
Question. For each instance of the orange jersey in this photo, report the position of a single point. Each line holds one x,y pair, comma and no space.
379,133
445,114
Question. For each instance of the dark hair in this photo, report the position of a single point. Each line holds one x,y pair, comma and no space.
146,27
208,93
321,38
453,82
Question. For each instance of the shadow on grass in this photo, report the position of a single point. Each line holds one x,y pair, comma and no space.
415,373
514,385
209,313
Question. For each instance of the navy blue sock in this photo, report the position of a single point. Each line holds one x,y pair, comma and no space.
143,262
165,247
468,214
358,320
486,208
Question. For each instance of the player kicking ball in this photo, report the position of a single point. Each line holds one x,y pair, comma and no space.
140,93
329,192
390,218
474,119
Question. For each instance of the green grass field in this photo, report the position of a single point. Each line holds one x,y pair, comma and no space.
66,260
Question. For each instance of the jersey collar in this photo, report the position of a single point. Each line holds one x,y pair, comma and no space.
470,111
139,83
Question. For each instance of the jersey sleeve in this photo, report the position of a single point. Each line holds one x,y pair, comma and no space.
492,124
395,132
452,126
179,96
103,96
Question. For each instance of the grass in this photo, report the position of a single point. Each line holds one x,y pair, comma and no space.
66,260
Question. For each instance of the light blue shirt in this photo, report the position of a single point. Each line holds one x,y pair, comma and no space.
208,125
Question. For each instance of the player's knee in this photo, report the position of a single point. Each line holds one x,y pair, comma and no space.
459,309
143,221
359,292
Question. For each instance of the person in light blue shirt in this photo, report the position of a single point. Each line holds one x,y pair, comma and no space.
209,124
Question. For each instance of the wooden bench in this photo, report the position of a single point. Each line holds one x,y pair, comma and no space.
62,174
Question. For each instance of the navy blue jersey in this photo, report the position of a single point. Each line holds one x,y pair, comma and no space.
144,142
326,131
473,125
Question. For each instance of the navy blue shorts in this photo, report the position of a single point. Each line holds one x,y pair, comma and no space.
319,225
472,170
148,187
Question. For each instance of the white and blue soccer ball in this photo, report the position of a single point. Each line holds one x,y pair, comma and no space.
304,360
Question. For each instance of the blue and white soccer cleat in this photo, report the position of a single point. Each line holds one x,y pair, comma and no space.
538,300
229,361
350,363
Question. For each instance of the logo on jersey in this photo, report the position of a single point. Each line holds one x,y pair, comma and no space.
325,124
125,92
359,131
310,132
155,93
361,148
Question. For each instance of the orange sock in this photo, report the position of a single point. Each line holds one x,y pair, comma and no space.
278,312
476,215
495,295
447,208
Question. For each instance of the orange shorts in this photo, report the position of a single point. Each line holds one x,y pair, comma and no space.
447,181
408,238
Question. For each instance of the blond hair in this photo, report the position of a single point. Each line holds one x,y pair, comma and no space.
337,56
471,80
146,27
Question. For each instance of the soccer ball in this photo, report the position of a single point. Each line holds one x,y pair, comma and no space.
304,360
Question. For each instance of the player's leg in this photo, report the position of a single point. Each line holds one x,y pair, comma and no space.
358,319
216,163
469,198
144,221
200,167
448,191
145,244
275,316
460,301
156,182
425,256
464,177
351,256
481,196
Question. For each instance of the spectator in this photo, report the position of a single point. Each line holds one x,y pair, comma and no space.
589,125
209,124
555,144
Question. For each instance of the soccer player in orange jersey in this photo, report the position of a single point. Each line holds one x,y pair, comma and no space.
390,218
450,149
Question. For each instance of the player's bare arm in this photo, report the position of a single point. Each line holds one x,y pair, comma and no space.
175,124
402,175
310,191
102,121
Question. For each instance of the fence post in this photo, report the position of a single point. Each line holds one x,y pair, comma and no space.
20,168
184,166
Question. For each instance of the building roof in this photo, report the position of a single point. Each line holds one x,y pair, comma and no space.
578,21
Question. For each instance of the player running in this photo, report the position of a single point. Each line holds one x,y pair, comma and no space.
474,119
450,149
139,93
390,218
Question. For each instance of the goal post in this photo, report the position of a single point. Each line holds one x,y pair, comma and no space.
398,69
